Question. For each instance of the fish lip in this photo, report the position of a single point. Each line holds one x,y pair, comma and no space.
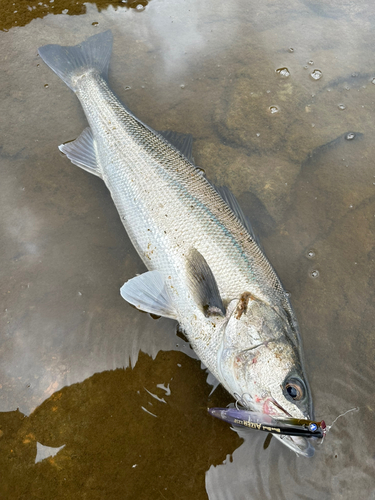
305,448
268,409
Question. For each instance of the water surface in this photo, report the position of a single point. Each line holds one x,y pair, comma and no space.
122,392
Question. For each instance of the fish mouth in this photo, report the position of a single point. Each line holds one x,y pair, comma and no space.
296,434
299,444
272,407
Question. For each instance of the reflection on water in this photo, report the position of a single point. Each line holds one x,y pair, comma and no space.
107,428
305,176
16,14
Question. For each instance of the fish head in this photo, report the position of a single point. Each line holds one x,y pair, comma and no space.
260,365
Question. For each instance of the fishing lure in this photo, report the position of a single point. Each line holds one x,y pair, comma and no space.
275,425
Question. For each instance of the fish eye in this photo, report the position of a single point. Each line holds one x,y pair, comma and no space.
294,389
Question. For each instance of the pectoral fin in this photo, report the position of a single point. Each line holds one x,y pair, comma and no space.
203,285
148,293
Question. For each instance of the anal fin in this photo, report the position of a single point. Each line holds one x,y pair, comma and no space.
82,153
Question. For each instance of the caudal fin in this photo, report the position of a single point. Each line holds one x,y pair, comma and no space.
73,61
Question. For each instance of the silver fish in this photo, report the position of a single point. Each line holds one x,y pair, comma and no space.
206,269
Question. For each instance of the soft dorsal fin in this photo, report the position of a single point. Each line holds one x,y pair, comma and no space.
148,293
82,153
202,285
182,142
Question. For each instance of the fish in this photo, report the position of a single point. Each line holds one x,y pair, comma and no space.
206,268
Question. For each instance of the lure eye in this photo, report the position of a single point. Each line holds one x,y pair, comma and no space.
294,389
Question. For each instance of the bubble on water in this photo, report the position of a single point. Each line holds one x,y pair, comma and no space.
314,273
291,49
258,134
316,74
311,254
350,136
268,91
140,7
284,72
341,106
350,206
311,63
312,95
182,86
274,109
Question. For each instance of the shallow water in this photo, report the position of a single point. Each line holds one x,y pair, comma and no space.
123,393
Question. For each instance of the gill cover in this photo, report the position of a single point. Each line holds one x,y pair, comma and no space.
251,325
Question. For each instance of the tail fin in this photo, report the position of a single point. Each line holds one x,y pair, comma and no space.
70,62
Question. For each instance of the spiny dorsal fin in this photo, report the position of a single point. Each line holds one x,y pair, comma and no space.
233,204
203,285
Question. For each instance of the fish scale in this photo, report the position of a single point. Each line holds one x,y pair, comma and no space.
162,177
206,269
149,182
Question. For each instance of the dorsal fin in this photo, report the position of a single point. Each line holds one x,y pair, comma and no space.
182,142
233,204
